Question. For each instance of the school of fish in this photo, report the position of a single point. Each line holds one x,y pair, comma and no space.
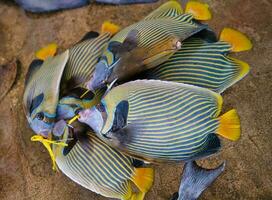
118,101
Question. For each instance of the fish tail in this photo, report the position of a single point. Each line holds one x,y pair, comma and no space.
137,196
47,51
200,11
238,41
108,27
229,125
143,178
195,180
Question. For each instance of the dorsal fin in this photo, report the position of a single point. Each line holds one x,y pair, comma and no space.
34,65
169,9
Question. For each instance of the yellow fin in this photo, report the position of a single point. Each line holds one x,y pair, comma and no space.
229,125
108,27
244,68
238,40
47,51
138,196
199,10
143,178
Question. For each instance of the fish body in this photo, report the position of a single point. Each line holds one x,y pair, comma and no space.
102,169
48,81
162,121
203,64
145,44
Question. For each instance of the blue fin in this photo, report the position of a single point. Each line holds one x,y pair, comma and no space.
195,180
212,146
207,35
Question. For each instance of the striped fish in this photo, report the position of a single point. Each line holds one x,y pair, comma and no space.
53,78
41,95
145,44
103,170
202,64
162,121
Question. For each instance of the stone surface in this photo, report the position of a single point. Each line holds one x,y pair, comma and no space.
26,167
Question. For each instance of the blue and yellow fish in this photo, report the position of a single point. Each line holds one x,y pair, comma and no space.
100,168
203,61
162,121
145,44
49,78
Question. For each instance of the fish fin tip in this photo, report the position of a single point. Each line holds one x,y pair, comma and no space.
238,40
229,125
143,178
196,179
244,67
48,51
108,27
199,10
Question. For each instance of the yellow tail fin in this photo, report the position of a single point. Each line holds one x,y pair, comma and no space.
47,51
138,196
143,178
238,40
108,27
229,125
199,10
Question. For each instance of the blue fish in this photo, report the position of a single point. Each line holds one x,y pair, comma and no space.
39,6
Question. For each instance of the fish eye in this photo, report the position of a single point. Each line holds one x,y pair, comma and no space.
39,116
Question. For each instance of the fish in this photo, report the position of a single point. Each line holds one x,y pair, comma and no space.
162,121
48,80
204,63
41,6
100,168
145,44
195,180
41,95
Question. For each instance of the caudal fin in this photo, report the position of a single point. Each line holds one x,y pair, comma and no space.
195,180
48,51
238,41
143,178
229,125
199,10
108,27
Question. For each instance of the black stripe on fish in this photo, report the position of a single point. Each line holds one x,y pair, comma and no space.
36,101
34,65
120,116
